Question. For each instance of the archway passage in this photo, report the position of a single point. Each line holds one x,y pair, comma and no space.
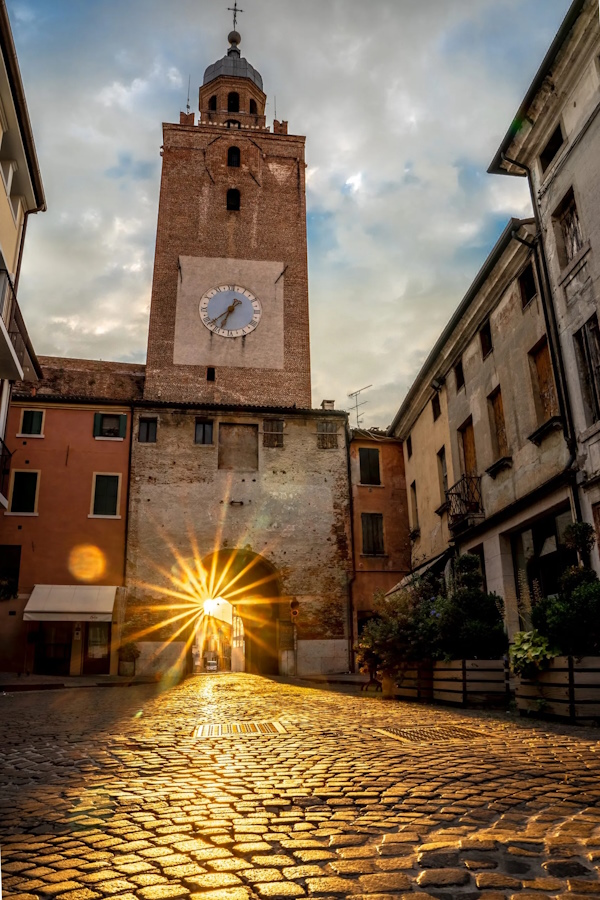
251,584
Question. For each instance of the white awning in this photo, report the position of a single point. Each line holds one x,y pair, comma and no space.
70,603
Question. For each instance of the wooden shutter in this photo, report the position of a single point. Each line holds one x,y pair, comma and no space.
369,466
499,424
545,383
106,495
468,447
122,426
97,424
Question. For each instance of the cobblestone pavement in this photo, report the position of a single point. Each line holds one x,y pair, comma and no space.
108,794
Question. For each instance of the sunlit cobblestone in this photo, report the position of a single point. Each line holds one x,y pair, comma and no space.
107,794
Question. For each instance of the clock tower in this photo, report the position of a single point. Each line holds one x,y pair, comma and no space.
229,310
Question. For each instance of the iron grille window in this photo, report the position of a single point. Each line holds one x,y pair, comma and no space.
372,534
204,431
587,345
32,421
147,432
106,495
369,466
273,433
24,492
327,436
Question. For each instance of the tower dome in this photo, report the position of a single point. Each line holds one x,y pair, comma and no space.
233,64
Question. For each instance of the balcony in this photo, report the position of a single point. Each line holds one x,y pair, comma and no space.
464,503
5,456
17,358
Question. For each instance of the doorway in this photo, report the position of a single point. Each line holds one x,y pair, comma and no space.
53,648
96,648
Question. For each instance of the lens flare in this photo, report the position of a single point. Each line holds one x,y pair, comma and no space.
87,562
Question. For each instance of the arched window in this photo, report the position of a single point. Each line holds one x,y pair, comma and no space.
232,123
233,198
233,102
212,103
253,108
233,157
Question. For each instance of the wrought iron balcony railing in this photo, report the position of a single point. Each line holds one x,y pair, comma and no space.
12,319
5,456
464,501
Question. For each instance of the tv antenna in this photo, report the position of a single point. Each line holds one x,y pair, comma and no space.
189,86
355,396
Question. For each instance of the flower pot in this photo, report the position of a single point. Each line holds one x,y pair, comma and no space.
127,667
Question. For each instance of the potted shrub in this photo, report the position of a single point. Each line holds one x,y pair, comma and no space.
128,654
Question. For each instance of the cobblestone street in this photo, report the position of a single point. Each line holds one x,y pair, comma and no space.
109,793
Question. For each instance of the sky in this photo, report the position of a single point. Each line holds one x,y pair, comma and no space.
403,104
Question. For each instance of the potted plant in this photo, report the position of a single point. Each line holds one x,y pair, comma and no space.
128,654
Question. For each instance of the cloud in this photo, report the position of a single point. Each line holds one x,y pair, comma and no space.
403,105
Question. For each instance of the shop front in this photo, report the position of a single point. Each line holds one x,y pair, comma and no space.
70,629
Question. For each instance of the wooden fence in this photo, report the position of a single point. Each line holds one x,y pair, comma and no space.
569,688
461,682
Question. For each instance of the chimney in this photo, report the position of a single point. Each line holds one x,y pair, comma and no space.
327,404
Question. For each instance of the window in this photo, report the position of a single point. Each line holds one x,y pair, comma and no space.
204,431
587,348
466,441
212,103
567,230
233,157
23,498
540,557
105,495
253,108
414,507
233,198
110,425
544,390
327,436
210,374
369,466
459,375
147,431
527,286
485,336
496,407
238,447
409,446
435,407
10,564
273,433
442,473
32,422
372,534
232,123
552,147
233,102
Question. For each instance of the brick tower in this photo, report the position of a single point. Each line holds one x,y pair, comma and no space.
229,311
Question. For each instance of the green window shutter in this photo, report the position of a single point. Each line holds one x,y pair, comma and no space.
122,426
97,424
32,421
23,494
106,495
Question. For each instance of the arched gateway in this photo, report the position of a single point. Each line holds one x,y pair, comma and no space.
260,616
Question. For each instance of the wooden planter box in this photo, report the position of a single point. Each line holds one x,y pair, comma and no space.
569,688
461,682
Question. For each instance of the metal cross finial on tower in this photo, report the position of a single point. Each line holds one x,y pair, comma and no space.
234,9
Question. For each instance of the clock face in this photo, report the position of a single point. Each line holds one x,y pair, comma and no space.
230,310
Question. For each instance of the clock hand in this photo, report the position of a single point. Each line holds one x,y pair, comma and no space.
226,313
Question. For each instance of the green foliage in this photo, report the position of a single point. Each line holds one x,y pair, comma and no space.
470,623
129,652
571,621
573,577
530,653
581,537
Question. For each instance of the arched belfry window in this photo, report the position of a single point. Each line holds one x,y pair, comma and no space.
212,103
233,198
253,108
233,102
233,157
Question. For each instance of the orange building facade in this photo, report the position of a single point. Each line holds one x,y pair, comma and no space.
381,539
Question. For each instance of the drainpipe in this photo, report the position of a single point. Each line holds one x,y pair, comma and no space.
28,212
351,580
541,265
